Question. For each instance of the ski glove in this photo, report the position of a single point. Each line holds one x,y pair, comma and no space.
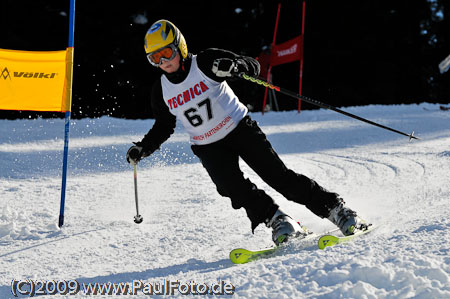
136,153
226,67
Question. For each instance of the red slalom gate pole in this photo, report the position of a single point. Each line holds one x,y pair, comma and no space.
301,58
270,66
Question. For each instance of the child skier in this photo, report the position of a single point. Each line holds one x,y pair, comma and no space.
193,89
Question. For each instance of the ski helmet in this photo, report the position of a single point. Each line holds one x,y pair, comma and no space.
163,34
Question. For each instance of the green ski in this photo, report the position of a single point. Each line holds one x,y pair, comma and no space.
329,240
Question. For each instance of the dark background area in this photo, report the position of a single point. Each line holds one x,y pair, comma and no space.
356,52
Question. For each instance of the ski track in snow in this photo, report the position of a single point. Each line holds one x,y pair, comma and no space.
188,229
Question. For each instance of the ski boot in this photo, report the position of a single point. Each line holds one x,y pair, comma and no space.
347,220
284,228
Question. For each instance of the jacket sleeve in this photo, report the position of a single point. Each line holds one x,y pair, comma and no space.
164,125
205,60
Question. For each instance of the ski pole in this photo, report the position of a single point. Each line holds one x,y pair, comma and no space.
138,218
320,104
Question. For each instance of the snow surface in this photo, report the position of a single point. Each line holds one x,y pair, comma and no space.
189,229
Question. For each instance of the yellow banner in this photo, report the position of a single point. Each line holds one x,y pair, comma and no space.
36,80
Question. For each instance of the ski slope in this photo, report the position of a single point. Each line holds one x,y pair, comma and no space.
189,229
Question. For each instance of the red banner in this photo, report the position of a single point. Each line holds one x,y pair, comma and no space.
286,52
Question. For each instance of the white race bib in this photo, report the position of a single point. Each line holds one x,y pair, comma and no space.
209,110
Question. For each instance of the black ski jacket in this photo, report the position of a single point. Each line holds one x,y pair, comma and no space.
165,122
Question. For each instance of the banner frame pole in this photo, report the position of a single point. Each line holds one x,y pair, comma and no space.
67,114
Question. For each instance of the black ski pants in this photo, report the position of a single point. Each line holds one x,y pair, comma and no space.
221,160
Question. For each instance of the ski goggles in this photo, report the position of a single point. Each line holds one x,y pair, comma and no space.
165,54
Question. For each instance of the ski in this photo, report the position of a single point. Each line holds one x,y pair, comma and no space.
330,240
242,256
